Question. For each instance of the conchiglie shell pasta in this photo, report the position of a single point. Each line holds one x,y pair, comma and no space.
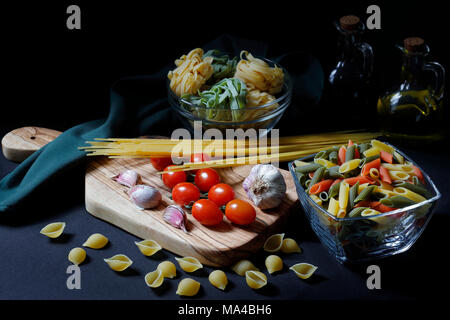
53,230
189,264
168,269
77,256
96,241
255,279
242,266
188,287
274,242
119,262
290,246
218,279
303,270
148,247
273,263
154,279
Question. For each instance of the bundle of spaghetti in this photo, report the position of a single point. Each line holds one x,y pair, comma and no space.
257,74
191,73
223,150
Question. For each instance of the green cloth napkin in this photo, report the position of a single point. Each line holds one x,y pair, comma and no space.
138,106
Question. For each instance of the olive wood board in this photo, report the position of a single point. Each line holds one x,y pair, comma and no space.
219,245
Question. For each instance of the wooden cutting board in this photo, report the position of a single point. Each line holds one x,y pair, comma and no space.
106,199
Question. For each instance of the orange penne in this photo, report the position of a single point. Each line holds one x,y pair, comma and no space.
372,164
361,179
321,186
386,156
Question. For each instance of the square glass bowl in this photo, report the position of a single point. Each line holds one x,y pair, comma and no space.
361,239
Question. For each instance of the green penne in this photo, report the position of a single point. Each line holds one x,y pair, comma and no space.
321,155
352,194
334,190
307,183
350,153
333,157
334,173
397,202
356,212
318,175
301,178
368,159
363,147
308,168
415,188
365,194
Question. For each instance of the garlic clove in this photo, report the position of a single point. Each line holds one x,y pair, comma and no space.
176,217
127,178
145,197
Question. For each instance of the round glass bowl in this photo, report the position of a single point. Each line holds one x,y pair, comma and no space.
361,239
261,117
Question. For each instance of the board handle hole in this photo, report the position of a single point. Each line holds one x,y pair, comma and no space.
32,137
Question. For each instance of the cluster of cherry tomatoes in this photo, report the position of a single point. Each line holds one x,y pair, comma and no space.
206,211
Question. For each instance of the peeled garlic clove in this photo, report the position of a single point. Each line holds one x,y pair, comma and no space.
274,242
148,247
303,270
96,241
77,256
189,264
255,279
154,279
145,197
265,186
127,178
53,230
119,262
176,217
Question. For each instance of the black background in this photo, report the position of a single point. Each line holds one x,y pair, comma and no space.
57,78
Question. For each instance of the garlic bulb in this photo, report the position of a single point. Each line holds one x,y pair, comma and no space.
265,186
145,197
127,178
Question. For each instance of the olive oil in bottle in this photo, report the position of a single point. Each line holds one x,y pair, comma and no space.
413,111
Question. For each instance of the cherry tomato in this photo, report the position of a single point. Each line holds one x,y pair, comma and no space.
240,212
206,178
207,212
161,163
199,157
171,179
221,194
184,193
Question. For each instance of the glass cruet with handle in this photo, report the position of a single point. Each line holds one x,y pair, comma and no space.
413,111
350,80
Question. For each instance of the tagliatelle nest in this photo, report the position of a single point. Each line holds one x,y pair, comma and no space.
257,74
191,73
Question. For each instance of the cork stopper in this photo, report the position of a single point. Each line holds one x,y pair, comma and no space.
350,22
414,44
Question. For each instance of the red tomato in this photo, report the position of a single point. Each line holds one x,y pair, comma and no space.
206,178
161,163
207,212
199,157
240,212
171,179
184,193
221,194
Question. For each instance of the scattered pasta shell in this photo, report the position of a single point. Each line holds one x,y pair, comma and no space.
77,256
53,230
168,269
255,279
303,270
290,246
96,241
148,247
274,242
154,279
188,287
274,263
242,266
189,264
218,279
119,262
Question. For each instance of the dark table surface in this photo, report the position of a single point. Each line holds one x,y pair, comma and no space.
33,266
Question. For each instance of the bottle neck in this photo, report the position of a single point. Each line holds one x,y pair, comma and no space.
411,69
348,43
